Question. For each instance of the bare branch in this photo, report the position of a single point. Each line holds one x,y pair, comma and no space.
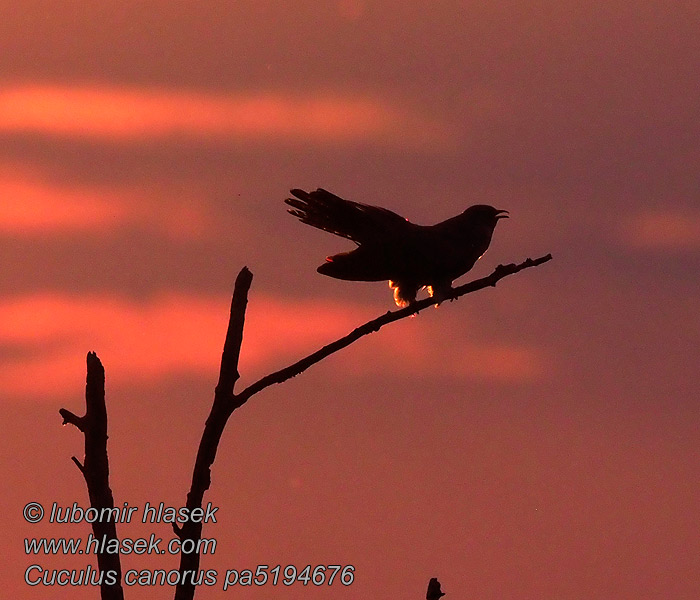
221,410
374,325
225,401
95,467
95,470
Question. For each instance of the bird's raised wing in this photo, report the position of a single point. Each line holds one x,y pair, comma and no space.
360,223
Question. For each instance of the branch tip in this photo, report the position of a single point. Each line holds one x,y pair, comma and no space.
245,276
434,591
93,360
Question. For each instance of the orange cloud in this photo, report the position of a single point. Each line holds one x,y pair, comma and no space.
141,341
33,206
48,335
133,113
423,351
674,229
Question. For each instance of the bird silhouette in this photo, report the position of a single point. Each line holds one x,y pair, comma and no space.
392,248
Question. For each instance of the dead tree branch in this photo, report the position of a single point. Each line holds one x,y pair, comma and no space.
95,470
95,467
225,401
221,410
374,325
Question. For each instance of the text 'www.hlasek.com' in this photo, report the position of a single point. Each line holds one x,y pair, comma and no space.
89,575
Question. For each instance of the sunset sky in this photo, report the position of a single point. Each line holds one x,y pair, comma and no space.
535,441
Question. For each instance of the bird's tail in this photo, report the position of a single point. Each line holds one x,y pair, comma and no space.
352,220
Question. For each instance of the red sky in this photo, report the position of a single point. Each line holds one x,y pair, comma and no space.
534,441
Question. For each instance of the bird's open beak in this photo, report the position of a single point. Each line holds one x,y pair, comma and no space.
500,216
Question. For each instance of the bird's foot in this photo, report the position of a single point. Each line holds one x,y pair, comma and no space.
439,293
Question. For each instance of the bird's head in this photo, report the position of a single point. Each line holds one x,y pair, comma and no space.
485,214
